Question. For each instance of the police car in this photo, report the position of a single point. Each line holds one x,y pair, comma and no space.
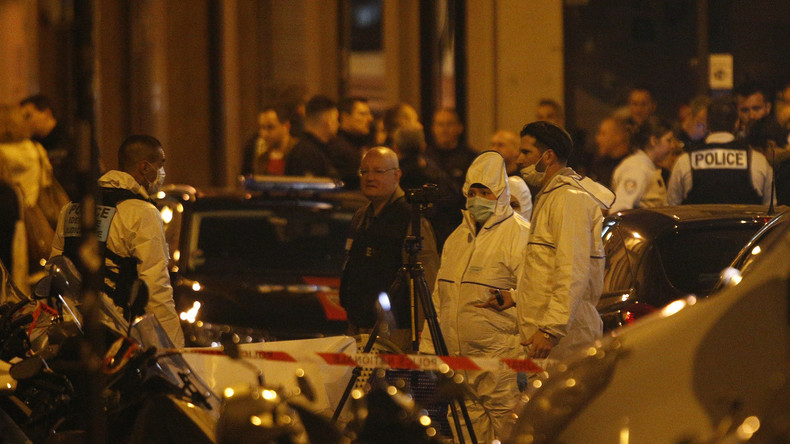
259,263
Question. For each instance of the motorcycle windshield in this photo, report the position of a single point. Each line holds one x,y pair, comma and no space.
172,366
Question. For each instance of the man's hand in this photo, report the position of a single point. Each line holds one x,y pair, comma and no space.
541,345
499,300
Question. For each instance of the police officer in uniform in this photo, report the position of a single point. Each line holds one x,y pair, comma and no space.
723,170
130,232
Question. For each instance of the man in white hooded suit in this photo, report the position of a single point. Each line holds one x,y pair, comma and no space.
564,265
484,253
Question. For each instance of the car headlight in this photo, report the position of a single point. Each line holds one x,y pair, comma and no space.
557,399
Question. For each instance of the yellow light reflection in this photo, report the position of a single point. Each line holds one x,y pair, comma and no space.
625,435
167,215
229,392
300,372
425,420
196,286
756,250
269,394
673,307
256,420
636,235
392,390
176,255
191,314
42,262
749,427
357,394
161,195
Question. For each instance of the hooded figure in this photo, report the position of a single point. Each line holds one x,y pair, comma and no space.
520,197
485,252
564,265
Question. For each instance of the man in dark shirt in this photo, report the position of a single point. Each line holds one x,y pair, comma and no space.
46,130
447,150
310,156
376,248
353,138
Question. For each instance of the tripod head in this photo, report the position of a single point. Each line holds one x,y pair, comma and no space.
420,199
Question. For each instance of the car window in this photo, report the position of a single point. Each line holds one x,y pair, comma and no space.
762,244
288,239
618,276
693,259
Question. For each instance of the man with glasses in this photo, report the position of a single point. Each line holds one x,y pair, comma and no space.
375,247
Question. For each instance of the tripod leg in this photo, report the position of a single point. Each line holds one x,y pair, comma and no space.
374,334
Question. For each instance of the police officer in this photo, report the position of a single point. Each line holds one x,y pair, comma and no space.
723,170
130,231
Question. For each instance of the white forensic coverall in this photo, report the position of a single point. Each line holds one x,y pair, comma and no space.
563,270
137,230
520,190
638,183
472,264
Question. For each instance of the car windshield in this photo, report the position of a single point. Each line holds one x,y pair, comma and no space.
765,242
288,239
693,259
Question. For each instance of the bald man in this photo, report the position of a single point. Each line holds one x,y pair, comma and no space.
506,143
375,248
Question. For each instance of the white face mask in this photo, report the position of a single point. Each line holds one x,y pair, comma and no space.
156,185
480,208
532,176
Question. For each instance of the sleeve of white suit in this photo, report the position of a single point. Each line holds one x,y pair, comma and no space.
572,221
629,185
150,248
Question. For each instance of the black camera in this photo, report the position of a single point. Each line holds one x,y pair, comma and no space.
428,193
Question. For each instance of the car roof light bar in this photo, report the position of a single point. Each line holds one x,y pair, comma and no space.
284,183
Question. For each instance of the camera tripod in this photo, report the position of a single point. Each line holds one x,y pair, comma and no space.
411,279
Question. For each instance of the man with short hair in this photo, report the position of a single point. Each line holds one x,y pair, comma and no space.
131,231
753,103
310,156
376,248
613,142
506,143
46,130
265,153
550,110
640,105
562,276
353,138
447,149
723,169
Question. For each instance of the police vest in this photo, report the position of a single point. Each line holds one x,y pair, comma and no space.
721,173
374,258
118,273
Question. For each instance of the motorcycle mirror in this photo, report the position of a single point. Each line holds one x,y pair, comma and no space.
27,368
229,346
304,385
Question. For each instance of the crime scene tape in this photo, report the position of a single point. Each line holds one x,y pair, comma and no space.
389,361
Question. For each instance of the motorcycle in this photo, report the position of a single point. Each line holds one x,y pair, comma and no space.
146,395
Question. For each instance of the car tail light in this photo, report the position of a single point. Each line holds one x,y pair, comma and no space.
632,312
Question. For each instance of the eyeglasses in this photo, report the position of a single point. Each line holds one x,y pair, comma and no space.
376,171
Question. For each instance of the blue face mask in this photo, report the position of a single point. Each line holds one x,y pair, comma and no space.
480,208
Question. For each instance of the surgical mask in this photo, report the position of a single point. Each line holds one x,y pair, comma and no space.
156,185
480,208
532,176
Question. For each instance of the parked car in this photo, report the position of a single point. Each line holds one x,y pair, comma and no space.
762,242
262,263
699,370
655,256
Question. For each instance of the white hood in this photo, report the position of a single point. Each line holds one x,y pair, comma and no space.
489,169
520,190
566,176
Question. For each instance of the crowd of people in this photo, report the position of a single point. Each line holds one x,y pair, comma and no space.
511,243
